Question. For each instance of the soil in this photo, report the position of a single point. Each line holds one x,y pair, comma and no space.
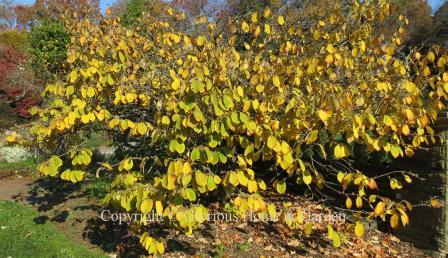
78,217
12,188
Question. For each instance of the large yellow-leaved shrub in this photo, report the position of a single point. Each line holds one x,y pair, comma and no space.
196,110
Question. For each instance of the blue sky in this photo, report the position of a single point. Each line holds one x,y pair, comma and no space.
435,4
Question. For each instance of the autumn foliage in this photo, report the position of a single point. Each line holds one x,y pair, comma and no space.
196,109
16,82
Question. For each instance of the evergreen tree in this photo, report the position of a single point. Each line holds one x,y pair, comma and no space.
134,10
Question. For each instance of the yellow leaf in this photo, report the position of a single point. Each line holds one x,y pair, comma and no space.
360,101
165,120
307,178
329,59
252,186
159,208
341,151
276,81
285,149
281,20
200,40
233,179
323,115
272,211
146,206
336,239
175,84
201,178
142,128
128,164
435,203
106,165
11,138
272,142
198,115
299,216
312,137
348,203
280,186
110,80
130,97
245,26
405,129
409,152
408,179
359,229
242,179
379,209
254,17
362,46
267,29
394,221
308,228
395,151
160,247
445,77
114,122
387,120
267,12
71,58
358,202
90,92
340,176
404,219
217,179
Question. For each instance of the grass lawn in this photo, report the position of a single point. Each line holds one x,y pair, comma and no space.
25,164
21,236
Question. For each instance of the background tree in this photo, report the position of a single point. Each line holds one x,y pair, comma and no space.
440,27
7,14
48,40
48,36
28,60
25,15
133,12
193,8
118,8
239,7
419,15
418,11
54,9
18,87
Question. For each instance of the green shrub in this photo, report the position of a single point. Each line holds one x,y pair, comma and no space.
48,50
134,10
18,39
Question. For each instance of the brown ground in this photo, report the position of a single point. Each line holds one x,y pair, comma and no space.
77,216
11,188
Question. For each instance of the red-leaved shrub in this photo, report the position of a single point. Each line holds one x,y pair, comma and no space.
17,85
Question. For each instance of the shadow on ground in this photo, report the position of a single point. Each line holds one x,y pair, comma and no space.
74,212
